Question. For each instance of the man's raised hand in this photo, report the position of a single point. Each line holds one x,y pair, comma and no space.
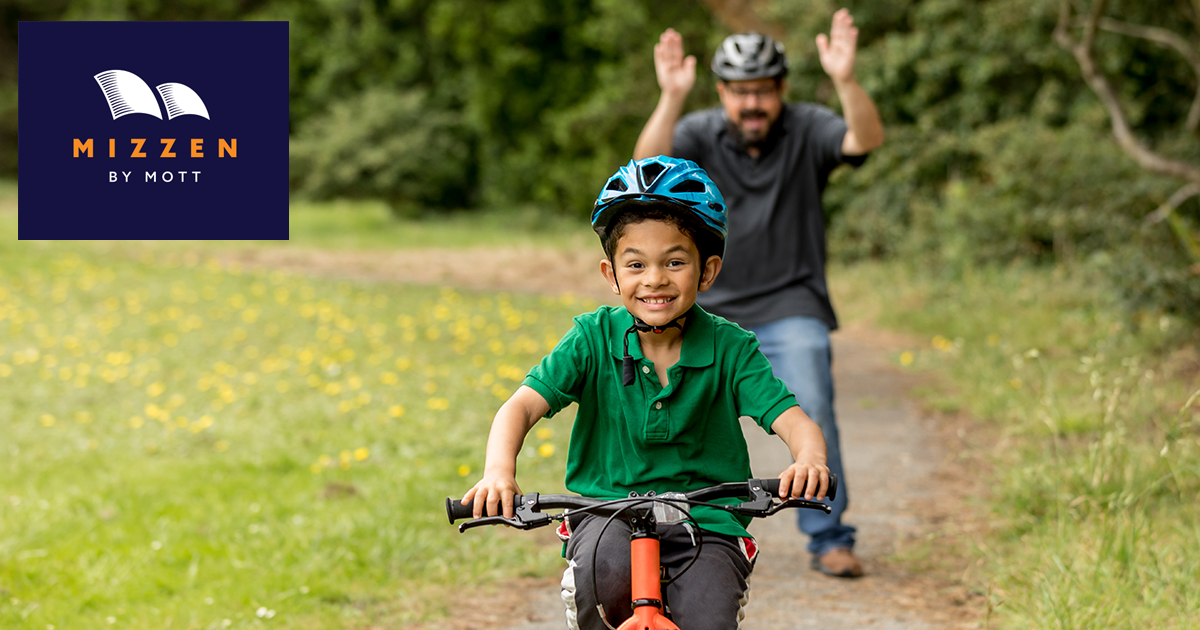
838,49
676,73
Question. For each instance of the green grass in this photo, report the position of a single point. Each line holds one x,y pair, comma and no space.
1095,506
190,446
370,226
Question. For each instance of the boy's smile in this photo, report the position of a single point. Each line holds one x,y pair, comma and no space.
656,270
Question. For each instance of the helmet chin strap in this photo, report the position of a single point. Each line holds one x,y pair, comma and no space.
627,370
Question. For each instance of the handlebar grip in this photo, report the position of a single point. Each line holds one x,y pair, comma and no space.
455,510
772,486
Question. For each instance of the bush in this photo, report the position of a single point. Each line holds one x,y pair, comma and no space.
386,144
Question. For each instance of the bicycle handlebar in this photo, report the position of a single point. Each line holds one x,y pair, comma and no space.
763,495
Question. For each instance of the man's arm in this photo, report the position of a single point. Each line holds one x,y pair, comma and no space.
864,128
676,76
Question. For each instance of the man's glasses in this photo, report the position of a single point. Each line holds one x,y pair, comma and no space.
763,93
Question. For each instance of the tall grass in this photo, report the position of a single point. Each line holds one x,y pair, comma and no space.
1096,491
187,445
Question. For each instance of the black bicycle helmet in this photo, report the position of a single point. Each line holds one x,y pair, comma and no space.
749,56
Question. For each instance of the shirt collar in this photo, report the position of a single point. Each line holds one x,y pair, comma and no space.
698,350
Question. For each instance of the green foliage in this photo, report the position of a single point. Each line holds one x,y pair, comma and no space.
384,144
997,151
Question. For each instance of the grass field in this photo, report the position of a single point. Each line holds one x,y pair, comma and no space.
1094,515
190,446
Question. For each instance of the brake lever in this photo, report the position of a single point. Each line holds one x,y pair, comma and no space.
525,517
800,503
761,502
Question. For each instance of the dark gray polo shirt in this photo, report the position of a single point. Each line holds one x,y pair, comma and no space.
774,265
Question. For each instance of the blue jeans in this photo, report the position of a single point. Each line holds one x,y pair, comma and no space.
800,355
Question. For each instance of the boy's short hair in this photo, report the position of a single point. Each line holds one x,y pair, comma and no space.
634,212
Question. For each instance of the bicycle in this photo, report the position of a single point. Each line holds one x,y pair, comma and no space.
645,512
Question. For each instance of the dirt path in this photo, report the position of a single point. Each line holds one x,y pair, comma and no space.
906,483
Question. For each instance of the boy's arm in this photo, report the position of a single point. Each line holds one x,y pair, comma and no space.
513,421
803,437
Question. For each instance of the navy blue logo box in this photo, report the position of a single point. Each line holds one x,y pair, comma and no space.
101,81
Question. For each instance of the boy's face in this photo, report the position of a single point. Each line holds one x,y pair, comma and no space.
657,272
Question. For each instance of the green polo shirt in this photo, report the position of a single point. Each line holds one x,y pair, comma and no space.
644,436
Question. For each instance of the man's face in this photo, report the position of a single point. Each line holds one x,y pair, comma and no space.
752,106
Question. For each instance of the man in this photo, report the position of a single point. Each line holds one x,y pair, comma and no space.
771,161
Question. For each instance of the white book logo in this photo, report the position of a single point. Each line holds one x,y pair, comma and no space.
127,93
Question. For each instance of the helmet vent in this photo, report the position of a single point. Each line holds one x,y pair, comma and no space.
689,186
617,184
650,172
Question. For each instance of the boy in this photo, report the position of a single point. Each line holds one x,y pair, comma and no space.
660,413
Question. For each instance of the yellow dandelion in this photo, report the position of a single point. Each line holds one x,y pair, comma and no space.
5,370
429,387
361,453
396,411
155,389
389,378
136,422
83,417
545,433
906,358
333,389
344,460
315,468
546,449
464,470
47,420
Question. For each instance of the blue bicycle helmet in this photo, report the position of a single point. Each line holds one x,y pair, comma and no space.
664,179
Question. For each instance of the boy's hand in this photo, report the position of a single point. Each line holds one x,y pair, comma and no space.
493,495
804,479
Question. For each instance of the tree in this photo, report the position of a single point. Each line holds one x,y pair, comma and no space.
1083,48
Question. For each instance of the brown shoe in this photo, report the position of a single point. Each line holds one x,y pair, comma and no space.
838,562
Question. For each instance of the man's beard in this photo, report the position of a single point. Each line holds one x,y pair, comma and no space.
754,138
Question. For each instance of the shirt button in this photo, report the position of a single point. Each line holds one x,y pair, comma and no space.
645,369
658,405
